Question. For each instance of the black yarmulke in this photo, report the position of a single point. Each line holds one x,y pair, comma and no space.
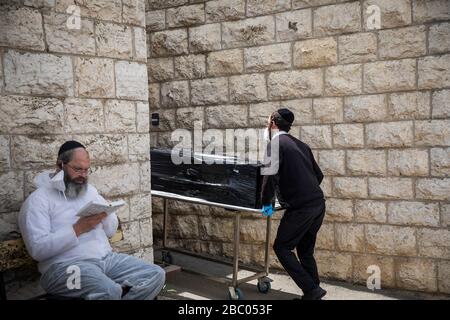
69,145
286,114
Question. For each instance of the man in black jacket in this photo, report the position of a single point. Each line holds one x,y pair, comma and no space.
294,176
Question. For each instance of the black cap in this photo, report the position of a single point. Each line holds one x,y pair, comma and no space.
69,145
286,114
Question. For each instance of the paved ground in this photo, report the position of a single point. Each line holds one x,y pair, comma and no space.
188,285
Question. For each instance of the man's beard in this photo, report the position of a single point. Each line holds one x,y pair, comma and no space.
75,187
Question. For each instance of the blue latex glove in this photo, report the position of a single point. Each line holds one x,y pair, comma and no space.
267,211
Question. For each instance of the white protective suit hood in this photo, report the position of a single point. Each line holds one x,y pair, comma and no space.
48,179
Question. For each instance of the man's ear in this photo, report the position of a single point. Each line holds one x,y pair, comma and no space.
59,164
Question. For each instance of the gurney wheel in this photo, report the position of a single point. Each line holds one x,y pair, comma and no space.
167,257
235,294
264,285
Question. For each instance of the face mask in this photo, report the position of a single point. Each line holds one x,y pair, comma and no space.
58,181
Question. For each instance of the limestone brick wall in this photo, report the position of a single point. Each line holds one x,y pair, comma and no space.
88,83
372,103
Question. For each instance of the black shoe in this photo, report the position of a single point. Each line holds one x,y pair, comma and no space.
315,294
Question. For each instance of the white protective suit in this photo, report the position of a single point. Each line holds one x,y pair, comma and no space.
46,222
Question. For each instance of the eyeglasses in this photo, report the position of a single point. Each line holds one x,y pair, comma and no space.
79,170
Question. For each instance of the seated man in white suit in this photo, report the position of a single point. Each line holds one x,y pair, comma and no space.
67,246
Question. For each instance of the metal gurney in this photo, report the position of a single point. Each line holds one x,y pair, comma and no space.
233,291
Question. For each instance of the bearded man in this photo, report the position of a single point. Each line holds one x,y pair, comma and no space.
74,255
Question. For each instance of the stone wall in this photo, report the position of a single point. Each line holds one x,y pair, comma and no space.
372,103
61,82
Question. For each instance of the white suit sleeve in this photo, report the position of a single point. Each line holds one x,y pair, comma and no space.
42,243
111,222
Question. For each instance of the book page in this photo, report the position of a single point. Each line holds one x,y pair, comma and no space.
93,207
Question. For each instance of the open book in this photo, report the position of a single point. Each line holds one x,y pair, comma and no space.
94,207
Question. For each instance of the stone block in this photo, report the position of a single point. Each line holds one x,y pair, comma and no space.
190,66
160,69
205,38
390,134
328,110
391,240
185,15
440,162
293,25
260,7
315,52
131,80
316,136
432,133
393,13
348,136
116,180
410,162
416,274
395,75
120,116
11,194
359,47
390,188
60,38
350,237
339,210
252,31
440,101
343,80
248,88
409,105
21,28
332,162
434,72
209,91
105,148
226,116
365,108
170,42
337,19
268,58
350,187
224,10
429,11
439,38
366,162
42,74
133,12
433,189
175,94
31,115
370,211
94,77
114,40
413,213
225,62
295,84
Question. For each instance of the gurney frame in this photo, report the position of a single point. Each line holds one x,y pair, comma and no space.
234,293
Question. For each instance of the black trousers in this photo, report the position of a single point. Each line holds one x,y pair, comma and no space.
298,230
